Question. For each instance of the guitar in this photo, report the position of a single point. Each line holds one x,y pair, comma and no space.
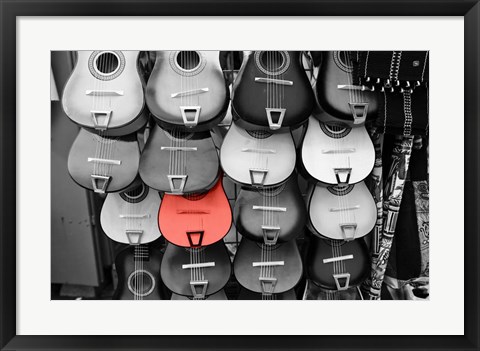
257,158
138,269
217,296
197,219
337,264
268,269
104,164
187,89
196,272
270,215
177,162
104,93
272,91
338,94
246,294
131,217
334,154
341,212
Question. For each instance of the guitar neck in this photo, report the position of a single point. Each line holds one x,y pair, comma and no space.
141,253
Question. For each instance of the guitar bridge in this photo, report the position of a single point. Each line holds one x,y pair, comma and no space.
178,148
189,92
269,208
104,92
273,81
337,259
105,161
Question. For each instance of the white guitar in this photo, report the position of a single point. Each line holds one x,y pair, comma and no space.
337,155
131,217
341,212
257,158
104,93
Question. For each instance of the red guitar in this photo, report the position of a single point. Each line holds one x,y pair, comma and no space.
197,219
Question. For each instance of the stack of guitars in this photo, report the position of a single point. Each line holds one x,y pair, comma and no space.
299,137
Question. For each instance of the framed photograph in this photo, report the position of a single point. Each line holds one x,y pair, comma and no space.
167,167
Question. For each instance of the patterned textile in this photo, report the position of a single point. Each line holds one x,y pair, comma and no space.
422,205
376,188
408,267
393,195
375,185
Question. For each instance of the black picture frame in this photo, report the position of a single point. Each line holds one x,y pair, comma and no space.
469,9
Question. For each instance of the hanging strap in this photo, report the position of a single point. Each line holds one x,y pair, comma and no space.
402,151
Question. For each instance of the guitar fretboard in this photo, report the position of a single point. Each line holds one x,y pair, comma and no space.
141,253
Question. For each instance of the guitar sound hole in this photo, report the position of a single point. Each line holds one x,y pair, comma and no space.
340,190
136,195
259,134
272,60
335,243
188,60
344,59
334,130
267,247
141,283
195,250
272,191
177,134
195,196
107,63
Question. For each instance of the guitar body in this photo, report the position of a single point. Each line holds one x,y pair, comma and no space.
104,93
351,106
187,89
195,220
259,212
331,154
217,296
179,279
139,278
131,217
178,163
104,164
257,158
272,91
341,213
335,274
248,270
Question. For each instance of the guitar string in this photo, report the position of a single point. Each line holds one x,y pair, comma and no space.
357,98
